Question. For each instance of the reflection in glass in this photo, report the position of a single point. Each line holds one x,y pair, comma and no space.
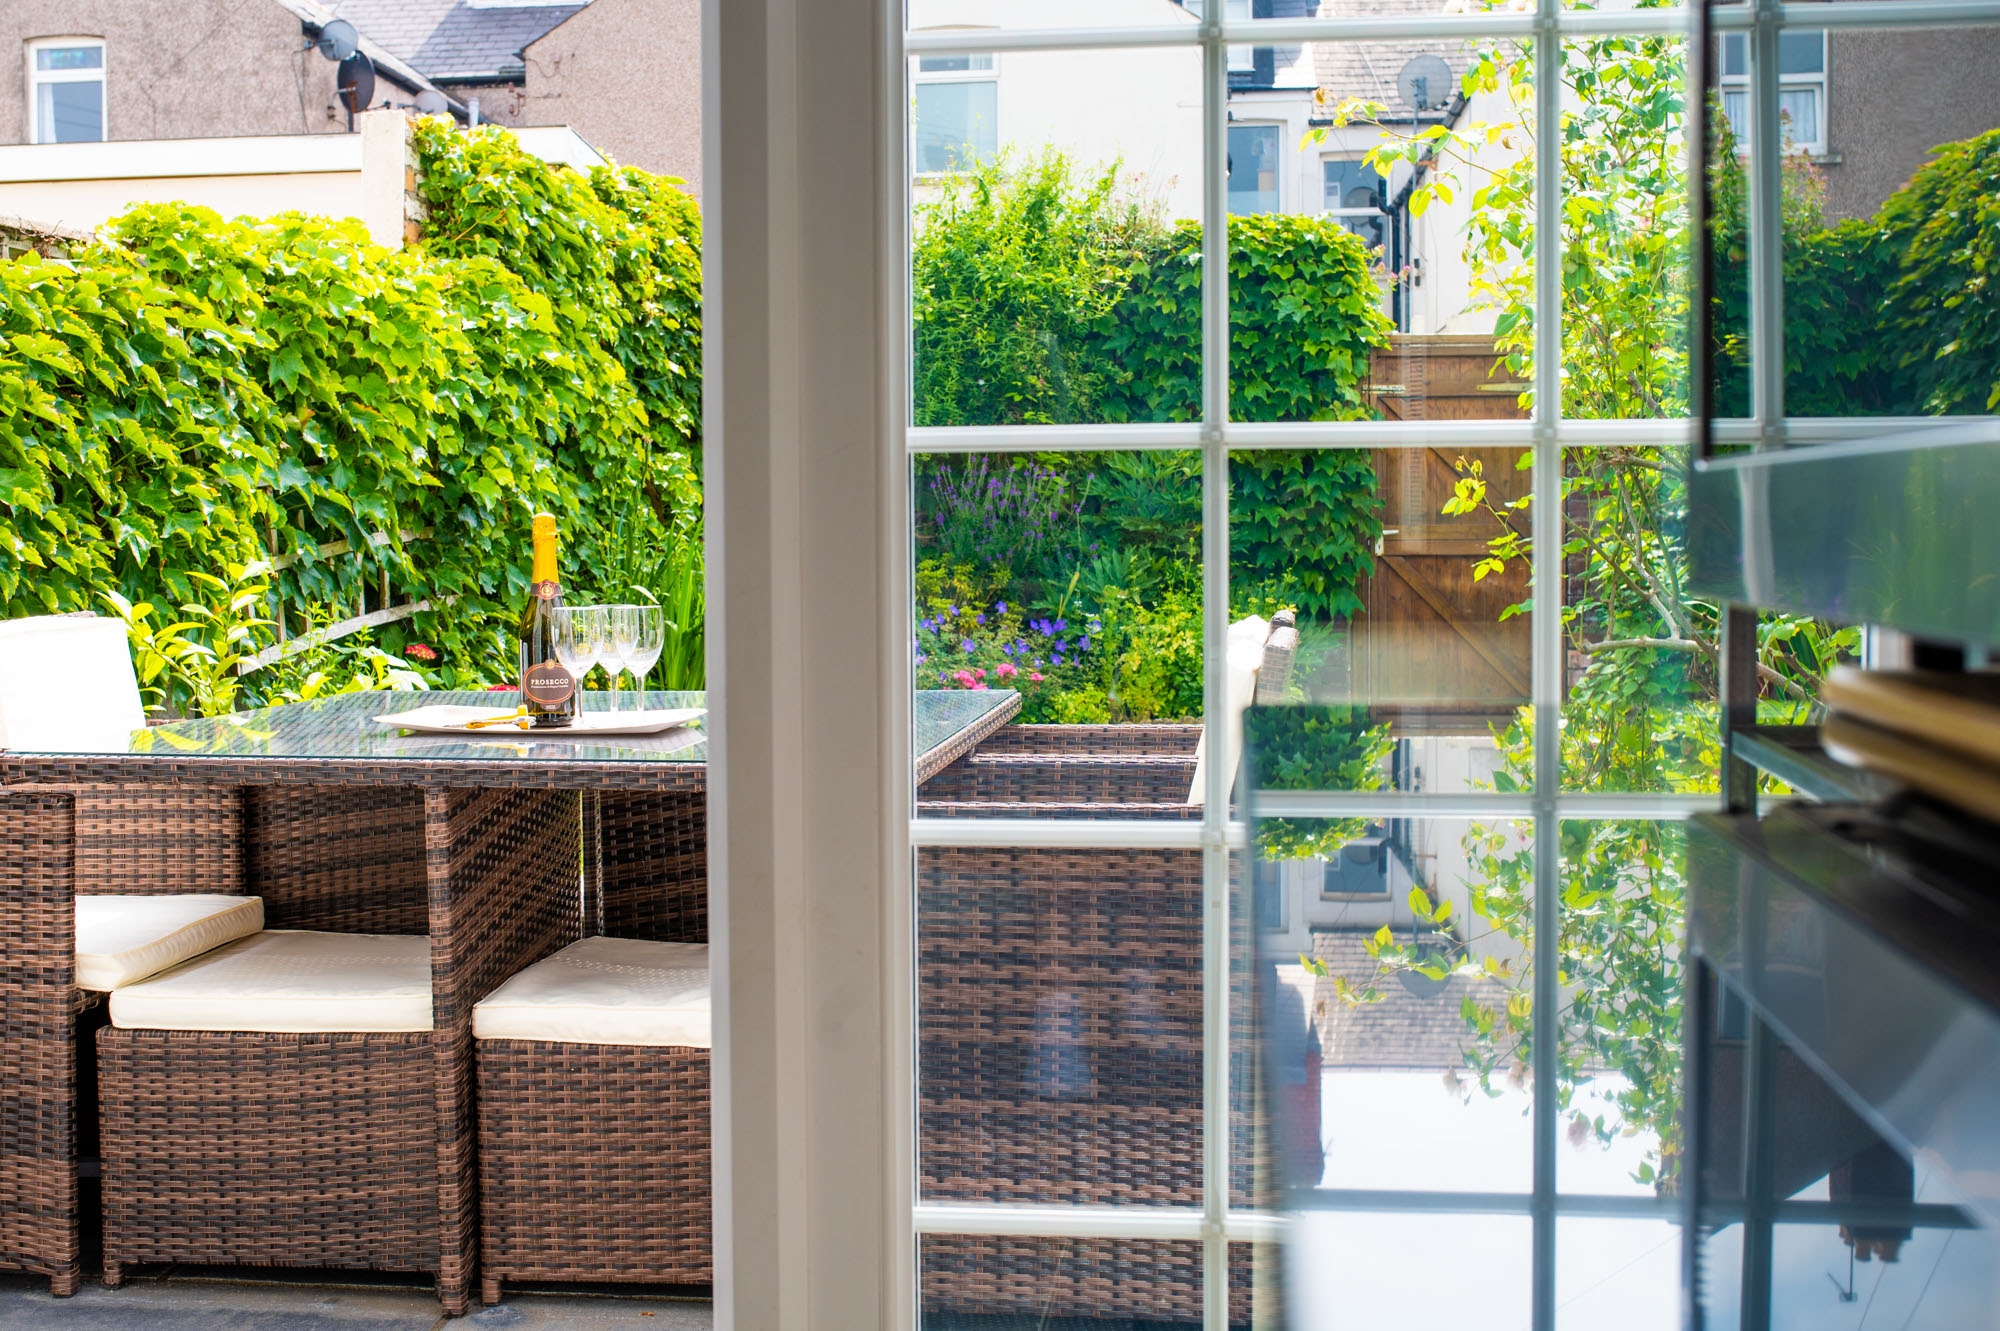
1034,1284
1888,222
1617,1273
1253,168
1393,1017
1059,1026
1400,1271
1866,1232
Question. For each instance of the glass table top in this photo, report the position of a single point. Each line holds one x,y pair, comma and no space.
345,728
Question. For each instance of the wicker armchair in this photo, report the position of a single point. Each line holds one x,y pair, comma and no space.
341,1149
1060,1027
67,681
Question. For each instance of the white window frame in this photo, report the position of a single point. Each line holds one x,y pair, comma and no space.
1216,1224
37,77
975,73
1738,85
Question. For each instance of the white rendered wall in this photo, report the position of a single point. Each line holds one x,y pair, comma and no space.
1141,106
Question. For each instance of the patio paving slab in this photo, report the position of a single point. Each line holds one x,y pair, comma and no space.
205,1305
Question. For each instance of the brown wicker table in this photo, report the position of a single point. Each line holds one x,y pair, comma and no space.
345,824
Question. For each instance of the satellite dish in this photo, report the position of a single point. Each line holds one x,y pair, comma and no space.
355,83
1426,83
431,102
338,40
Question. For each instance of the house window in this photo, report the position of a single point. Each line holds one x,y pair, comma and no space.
956,116
1801,88
66,91
1270,887
1353,194
1253,169
1358,869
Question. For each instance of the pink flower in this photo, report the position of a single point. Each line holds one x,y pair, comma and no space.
1035,676
501,688
421,651
981,672
1006,670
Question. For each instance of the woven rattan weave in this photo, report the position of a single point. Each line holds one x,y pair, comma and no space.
593,1163
253,1148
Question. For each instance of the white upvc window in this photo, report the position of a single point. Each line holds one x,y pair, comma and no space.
956,116
66,90
1256,154
1802,90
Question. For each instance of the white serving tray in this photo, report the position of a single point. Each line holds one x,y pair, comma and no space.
447,719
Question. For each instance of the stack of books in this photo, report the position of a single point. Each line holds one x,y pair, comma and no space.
1933,731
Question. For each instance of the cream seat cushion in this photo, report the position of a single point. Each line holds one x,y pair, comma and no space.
123,939
605,991
287,980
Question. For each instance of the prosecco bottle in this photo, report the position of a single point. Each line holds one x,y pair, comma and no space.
548,689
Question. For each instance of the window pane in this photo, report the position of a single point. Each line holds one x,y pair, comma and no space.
1617,1273
1627,249
957,125
1354,191
1884,314
1056,240
1619,953
946,64
1451,256
1408,1272
1800,109
1072,580
1735,55
1801,52
1032,1284
1639,645
72,112
1059,1026
1253,169
69,57
1389,1045
1379,553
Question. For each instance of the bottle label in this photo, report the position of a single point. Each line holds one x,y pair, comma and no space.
548,685
547,591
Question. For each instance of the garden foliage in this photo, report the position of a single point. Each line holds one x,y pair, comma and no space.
193,395
1044,295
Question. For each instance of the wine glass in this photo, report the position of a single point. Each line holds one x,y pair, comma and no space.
647,644
623,638
593,635
576,645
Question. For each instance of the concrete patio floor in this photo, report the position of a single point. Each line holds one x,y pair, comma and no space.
223,1304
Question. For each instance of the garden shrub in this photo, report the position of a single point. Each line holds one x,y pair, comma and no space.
1890,315
1042,295
193,394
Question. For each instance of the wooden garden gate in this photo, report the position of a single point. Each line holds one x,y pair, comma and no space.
1430,652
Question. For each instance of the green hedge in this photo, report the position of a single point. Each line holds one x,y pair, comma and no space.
1044,296
1897,314
194,393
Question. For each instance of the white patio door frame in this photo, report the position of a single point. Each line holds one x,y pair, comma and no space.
806,418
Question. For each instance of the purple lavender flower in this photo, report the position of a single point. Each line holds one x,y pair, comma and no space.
1000,607
979,619
1084,643
1061,624
966,645
1059,659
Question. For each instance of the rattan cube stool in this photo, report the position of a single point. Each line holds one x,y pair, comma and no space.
593,1071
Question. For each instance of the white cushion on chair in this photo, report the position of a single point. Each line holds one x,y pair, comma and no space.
285,980
605,991
67,685
120,940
